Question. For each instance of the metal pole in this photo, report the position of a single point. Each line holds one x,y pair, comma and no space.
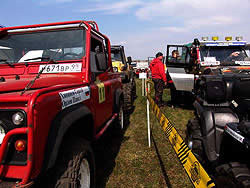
142,88
149,131
148,88
147,84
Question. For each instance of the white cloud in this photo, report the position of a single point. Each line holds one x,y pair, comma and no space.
175,29
182,11
116,7
181,21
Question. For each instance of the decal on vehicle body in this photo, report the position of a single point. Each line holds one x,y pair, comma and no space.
234,134
242,62
74,96
64,67
101,92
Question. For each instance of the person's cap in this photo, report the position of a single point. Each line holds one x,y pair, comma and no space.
159,54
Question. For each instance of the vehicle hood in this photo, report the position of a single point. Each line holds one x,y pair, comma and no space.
12,84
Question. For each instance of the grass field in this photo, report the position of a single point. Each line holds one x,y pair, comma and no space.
128,161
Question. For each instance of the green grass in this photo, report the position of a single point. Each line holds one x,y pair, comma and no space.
134,164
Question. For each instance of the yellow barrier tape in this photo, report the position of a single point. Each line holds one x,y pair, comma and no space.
196,173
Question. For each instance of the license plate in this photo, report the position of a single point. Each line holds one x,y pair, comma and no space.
59,68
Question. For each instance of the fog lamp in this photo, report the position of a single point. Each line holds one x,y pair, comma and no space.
20,145
18,118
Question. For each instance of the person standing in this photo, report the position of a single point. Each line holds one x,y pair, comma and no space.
159,77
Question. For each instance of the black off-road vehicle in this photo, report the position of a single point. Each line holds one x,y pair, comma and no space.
199,58
222,103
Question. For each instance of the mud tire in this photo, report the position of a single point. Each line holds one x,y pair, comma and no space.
127,93
119,122
193,133
232,175
133,90
76,153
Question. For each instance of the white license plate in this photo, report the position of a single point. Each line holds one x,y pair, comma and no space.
64,67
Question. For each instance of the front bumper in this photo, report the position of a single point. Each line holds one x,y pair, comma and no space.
13,171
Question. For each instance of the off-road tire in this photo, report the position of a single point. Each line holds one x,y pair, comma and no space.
119,121
232,175
76,152
193,133
133,90
127,94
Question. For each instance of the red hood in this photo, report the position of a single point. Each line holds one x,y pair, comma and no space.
46,80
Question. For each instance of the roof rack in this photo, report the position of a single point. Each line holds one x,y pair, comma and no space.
93,24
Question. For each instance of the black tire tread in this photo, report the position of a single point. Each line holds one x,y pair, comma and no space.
193,131
69,164
127,93
234,172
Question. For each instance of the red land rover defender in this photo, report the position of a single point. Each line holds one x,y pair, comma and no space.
57,90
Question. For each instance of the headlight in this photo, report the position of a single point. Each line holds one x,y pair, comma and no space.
18,118
115,69
2,133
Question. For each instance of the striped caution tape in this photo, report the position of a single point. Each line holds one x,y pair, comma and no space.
193,168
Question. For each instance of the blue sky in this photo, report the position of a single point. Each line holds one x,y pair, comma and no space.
144,27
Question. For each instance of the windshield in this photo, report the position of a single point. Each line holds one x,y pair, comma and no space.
37,46
224,55
116,55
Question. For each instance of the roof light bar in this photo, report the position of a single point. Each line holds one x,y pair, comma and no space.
239,38
204,38
228,38
214,38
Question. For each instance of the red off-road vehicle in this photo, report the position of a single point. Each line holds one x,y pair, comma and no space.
58,92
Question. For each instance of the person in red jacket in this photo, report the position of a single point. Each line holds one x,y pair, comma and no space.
159,77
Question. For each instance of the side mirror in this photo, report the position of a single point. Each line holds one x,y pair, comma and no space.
98,63
129,58
101,61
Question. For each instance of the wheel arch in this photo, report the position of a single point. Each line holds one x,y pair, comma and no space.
68,120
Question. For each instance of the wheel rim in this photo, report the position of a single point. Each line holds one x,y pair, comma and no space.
121,117
84,174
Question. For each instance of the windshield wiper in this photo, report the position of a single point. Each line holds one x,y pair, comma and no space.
6,62
36,58
50,60
30,84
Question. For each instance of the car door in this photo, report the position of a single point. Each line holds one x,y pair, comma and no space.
100,87
178,66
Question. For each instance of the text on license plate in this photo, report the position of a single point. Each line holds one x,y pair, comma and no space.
58,68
